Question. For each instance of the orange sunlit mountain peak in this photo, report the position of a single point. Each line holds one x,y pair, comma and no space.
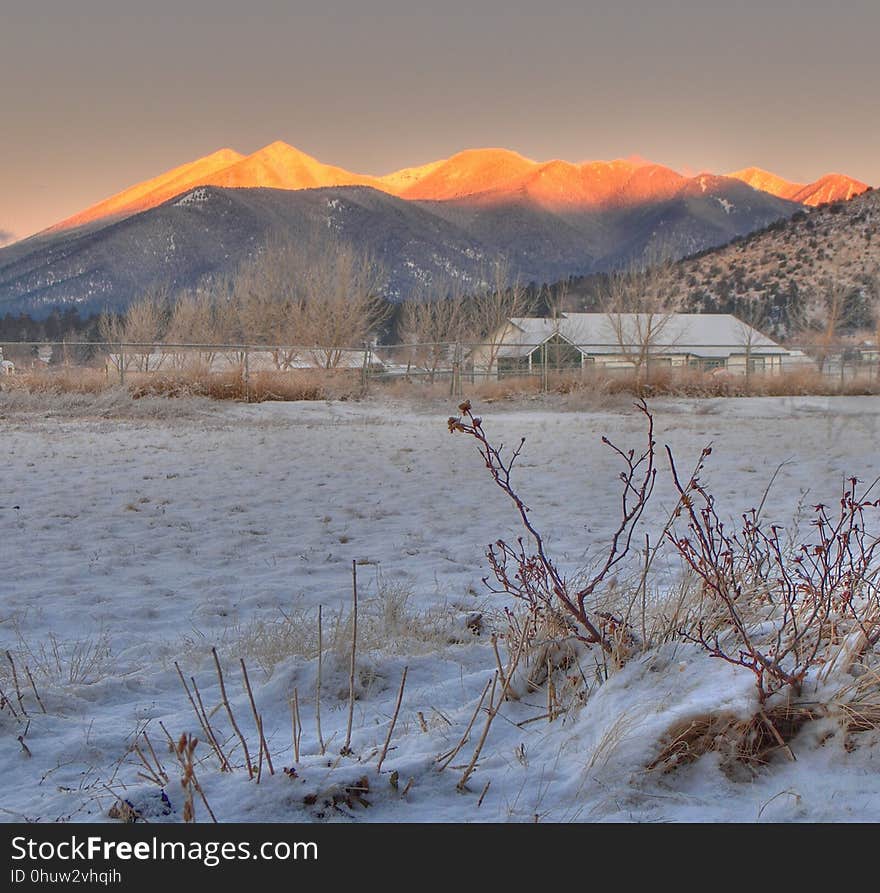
486,175
829,188
498,176
471,172
281,166
156,190
766,181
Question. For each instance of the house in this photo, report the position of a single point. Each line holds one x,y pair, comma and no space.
627,341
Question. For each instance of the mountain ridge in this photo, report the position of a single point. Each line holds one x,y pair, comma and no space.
483,175
210,230
830,187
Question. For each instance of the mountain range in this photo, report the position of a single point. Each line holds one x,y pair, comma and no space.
443,221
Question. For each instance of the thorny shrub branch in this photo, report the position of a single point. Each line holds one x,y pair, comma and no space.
535,578
783,605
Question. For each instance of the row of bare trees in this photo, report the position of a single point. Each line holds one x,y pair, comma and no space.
317,296
322,295
433,326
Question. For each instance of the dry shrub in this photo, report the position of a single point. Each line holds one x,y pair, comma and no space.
301,384
506,387
739,742
262,386
403,388
533,577
789,606
785,612
675,382
857,705
305,384
592,388
686,382
220,386
60,380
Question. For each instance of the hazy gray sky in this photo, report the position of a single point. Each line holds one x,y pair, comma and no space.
98,94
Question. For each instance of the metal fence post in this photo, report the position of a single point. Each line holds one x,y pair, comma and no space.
247,375
122,364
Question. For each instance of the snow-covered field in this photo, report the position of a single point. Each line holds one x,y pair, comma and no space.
130,543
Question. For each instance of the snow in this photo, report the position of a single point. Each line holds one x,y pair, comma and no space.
130,543
195,197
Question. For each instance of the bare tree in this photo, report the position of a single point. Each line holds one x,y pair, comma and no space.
338,299
266,301
833,297
489,313
751,316
313,295
872,285
192,322
141,326
557,299
640,303
228,326
430,326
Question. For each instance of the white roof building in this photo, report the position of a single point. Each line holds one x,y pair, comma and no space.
703,340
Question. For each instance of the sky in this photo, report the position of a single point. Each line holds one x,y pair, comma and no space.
100,94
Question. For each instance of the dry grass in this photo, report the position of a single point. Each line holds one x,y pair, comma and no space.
261,386
67,661
113,402
598,389
587,389
386,624
694,383
740,743
857,705
60,380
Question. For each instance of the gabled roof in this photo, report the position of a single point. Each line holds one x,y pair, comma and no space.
695,334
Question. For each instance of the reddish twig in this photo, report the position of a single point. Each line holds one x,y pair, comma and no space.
535,578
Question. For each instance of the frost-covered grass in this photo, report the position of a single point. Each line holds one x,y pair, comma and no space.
133,543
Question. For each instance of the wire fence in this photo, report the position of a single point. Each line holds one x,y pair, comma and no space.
455,363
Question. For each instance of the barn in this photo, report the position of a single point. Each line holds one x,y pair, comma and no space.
627,341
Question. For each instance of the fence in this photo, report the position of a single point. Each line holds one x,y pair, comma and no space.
456,363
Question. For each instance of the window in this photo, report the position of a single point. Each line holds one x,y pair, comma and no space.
557,354
513,366
707,364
